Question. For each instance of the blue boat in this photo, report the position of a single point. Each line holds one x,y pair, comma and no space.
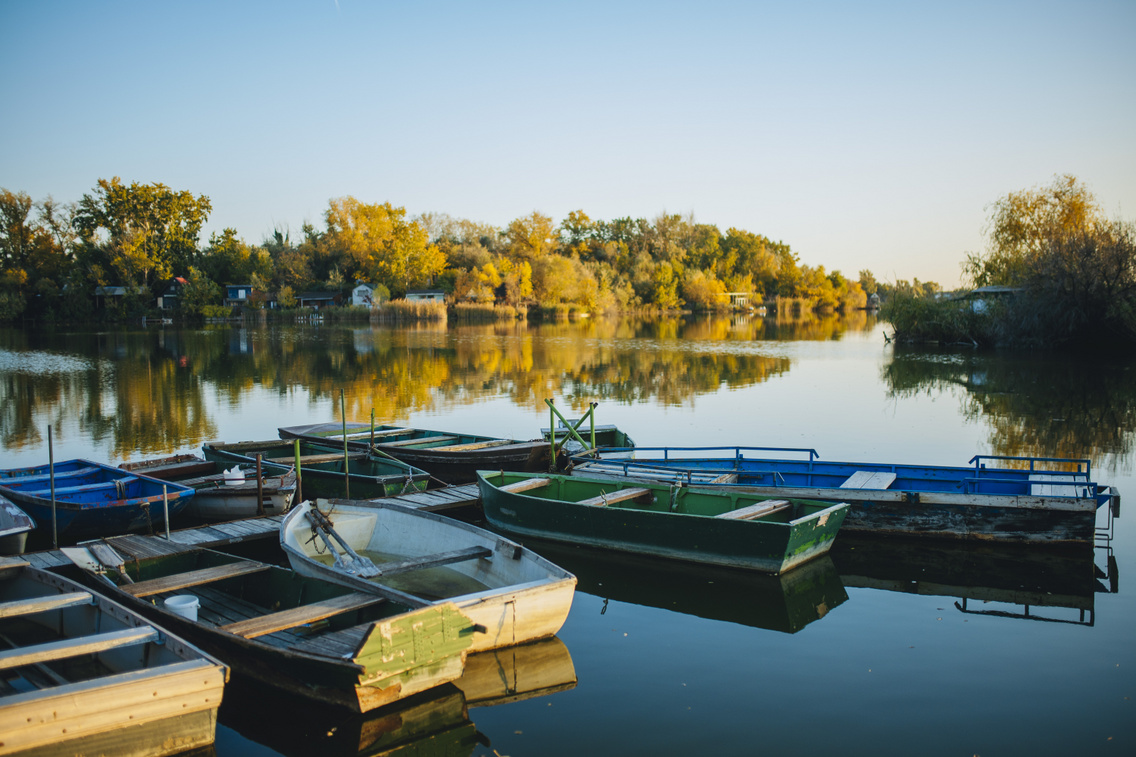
997,499
92,499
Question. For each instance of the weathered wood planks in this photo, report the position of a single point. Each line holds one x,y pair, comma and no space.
621,495
756,510
192,578
298,616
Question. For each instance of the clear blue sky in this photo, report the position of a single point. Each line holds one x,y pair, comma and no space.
865,135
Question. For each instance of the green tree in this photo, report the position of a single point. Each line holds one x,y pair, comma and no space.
378,243
199,292
531,237
140,234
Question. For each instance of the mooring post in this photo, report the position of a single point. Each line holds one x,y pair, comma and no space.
51,477
298,496
259,487
166,509
346,460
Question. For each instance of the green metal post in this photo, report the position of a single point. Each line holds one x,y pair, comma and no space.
299,495
346,459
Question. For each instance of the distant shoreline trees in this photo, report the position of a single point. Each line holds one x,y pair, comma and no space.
1057,272
60,261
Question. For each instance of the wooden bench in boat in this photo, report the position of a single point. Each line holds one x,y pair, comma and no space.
866,479
622,495
33,605
420,440
1058,485
757,510
46,477
433,561
298,616
525,485
473,445
192,578
333,457
92,644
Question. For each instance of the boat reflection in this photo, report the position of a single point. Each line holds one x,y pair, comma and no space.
435,722
1007,581
785,603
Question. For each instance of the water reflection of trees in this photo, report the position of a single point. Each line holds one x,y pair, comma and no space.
148,391
115,385
1046,406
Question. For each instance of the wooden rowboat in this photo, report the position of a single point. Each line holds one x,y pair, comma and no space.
92,499
223,494
998,499
450,457
321,468
15,525
81,674
515,594
299,634
718,527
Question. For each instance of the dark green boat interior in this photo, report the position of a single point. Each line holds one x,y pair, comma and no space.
660,498
255,594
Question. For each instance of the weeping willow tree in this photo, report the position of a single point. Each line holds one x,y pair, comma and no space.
1076,266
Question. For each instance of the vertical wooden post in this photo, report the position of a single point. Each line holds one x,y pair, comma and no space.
346,459
166,509
552,437
592,415
259,486
51,477
299,496
372,427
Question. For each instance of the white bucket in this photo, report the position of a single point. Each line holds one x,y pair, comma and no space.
235,477
183,605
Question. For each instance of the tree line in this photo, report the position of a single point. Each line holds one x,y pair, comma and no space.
55,256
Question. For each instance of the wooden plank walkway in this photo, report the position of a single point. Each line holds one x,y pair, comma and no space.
265,527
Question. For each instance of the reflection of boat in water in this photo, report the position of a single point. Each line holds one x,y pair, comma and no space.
785,603
435,722
515,673
1003,580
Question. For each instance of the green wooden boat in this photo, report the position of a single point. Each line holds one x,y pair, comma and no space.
716,527
321,468
298,634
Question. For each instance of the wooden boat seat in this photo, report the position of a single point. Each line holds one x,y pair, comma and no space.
391,432
473,445
525,485
34,605
13,480
757,510
433,561
93,488
725,478
192,578
622,495
59,650
1058,485
325,458
298,616
420,440
866,479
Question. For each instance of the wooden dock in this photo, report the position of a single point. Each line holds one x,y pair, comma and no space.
250,529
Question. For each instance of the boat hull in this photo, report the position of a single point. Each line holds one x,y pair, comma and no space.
923,503
525,597
15,525
769,547
359,659
454,459
92,499
369,477
157,698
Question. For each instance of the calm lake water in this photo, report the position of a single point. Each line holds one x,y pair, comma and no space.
885,648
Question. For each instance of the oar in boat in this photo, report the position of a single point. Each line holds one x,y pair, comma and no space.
353,562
